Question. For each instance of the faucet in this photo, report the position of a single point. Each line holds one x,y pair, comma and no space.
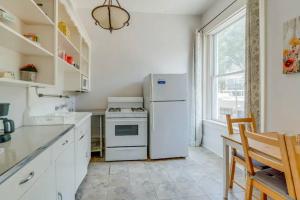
63,106
60,107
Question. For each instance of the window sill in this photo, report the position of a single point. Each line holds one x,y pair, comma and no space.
214,123
217,124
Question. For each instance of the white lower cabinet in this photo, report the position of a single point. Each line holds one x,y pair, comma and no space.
44,188
82,150
65,171
22,181
56,173
81,169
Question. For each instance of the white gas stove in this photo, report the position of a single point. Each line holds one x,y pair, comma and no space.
126,129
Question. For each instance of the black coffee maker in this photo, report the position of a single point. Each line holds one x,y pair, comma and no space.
7,126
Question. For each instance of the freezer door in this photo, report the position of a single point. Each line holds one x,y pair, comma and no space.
166,87
168,130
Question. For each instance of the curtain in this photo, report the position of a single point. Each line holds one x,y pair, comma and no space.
252,61
198,88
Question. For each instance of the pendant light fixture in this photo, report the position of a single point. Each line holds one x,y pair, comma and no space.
111,17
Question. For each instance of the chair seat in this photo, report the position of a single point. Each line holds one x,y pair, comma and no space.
274,179
255,162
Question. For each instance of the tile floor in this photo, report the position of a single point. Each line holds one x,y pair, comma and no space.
195,178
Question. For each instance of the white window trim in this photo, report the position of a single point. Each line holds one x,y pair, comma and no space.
237,12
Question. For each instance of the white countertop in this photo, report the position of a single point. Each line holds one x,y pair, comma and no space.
80,117
28,142
94,111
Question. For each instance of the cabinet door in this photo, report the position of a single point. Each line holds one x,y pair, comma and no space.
83,150
81,167
89,141
65,170
44,188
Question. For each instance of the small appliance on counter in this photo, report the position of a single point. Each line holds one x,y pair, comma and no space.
7,126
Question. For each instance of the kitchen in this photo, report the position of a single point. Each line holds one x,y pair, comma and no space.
55,59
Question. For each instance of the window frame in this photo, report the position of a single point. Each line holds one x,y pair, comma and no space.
210,60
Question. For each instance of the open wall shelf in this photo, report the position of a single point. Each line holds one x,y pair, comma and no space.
66,66
41,18
11,39
75,45
20,83
28,11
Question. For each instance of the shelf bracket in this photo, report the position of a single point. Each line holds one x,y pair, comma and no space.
40,95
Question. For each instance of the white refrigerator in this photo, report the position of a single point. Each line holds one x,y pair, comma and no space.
165,97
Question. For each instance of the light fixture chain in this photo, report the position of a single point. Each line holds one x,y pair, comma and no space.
109,17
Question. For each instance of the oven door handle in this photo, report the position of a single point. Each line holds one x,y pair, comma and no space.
133,120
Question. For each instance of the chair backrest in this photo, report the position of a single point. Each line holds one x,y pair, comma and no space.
249,121
261,147
293,147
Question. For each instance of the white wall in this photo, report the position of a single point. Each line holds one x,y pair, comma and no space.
283,96
153,43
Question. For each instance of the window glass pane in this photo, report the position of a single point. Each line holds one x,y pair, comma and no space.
126,130
229,96
230,48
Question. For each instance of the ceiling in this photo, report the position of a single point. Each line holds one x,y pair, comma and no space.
182,7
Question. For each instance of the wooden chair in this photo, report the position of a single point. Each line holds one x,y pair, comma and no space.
238,157
293,147
275,182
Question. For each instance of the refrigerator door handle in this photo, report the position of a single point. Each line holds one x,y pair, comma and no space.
152,110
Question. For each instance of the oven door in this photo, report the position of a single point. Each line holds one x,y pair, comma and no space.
126,132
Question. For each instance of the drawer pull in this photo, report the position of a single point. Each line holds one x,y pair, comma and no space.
81,137
66,142
30,176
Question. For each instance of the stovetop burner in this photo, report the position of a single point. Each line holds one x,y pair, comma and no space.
114,109
140,109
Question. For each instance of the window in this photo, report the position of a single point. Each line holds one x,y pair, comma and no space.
228,49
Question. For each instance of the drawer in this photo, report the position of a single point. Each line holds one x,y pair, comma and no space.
14,187
63,143
126,153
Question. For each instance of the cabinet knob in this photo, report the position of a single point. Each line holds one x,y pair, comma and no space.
30,176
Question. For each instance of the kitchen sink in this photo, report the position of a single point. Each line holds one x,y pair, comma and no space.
52,119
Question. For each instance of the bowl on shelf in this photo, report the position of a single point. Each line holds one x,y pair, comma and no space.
28,73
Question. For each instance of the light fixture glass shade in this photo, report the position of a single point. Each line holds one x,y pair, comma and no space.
111,17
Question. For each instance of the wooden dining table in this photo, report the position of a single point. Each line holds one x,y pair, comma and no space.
234,141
